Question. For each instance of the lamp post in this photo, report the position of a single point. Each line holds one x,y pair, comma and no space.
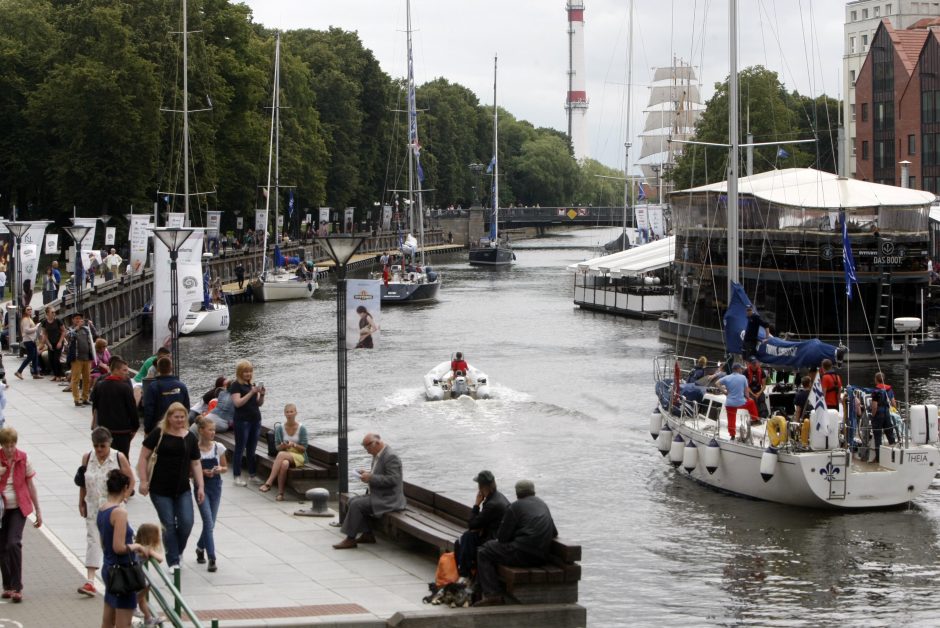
341,248
907,326
173,239
17,229
77,233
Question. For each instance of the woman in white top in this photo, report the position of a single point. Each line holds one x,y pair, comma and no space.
290,439
30,331
93,494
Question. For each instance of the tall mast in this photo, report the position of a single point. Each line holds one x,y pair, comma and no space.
277,139
185,113
626,155
495,158
274,103
733,114
412,121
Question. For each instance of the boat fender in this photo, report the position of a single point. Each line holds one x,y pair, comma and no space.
690,456
777,430
712,456
677,450
664,441
919,420
768,463
656,423
804,432
411,277
933,433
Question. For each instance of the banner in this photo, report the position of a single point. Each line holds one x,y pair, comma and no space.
261,220
88,242
386,217
324,221
189,285
52,244
239,223
30,249
109,233
309,218
363,313
213,221
657,227
280,221
175,220
349,224
140,231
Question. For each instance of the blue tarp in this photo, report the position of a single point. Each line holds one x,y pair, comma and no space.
773,352
278,258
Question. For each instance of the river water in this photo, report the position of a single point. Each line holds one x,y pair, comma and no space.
573,392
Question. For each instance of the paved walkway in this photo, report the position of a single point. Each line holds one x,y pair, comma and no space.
274,568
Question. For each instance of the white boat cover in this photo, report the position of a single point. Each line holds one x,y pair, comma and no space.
809,188
636,261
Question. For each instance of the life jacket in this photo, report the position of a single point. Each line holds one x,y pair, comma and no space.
755,378
832,385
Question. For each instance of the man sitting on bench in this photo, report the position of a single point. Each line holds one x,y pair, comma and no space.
524,538
386,493
488,511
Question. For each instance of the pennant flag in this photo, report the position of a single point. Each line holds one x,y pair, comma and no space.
782,154
290,205
847,260
489,168
641,193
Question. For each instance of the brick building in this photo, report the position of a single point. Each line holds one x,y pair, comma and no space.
897,106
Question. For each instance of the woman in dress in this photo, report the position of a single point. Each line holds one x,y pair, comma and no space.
117,542
98,463
212,460
20,498
247,399
30,332
290,438
177,451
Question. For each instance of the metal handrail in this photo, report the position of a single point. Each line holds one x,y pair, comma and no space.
172,612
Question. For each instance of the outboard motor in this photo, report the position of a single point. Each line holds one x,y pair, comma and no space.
459,387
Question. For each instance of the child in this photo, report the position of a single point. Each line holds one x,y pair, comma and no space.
148,535
212,456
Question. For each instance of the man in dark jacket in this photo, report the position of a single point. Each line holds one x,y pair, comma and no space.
524,538
163,391
488,511
113,406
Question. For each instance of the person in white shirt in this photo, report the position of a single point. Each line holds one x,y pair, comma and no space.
112,265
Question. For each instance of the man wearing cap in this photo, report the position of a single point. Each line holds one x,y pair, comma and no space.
488,511
386,493
735,387
752,332
523,540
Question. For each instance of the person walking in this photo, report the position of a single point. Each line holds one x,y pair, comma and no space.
50,288
3,280
53,338
30,331
81,338
240,275
212,459
113,406
247,399
93,494
20,500
177,451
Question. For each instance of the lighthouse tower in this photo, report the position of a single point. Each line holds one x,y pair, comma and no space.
577,102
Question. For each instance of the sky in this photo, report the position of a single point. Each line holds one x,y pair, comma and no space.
801,40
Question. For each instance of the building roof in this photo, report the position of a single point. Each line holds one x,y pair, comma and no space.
908,44
809,188
636,261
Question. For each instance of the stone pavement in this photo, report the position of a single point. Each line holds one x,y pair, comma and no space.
274,568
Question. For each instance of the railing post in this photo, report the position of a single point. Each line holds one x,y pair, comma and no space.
177,581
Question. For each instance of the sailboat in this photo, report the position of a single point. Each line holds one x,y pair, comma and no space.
276,283
823,461
204,316
491,251
408,281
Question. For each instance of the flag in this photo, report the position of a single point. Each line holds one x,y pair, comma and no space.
819,404
420,170
290,205
492,164
847,260
782,154
166,199
640,192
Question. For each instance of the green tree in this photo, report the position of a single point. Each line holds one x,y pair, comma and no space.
544,173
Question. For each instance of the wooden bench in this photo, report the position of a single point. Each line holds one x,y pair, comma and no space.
437,520
321,464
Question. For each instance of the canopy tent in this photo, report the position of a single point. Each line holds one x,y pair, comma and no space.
638,260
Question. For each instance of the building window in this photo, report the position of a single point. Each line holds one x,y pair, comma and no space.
877,11
911,145
884,116
864,43
888,9
864,112
927,148
864,14
865,150
852,109
852,45
854,16
852,77
912,183
929,185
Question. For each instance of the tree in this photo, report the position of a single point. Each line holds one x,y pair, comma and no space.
544,173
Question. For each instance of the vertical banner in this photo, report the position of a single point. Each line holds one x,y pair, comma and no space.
30,250
175,220
109,234
213,221
280,221
656,221
88,242
349,223
309,218
139,234
324,221
52,244
239,223
386,217
642,222
363,313
261,220
189,286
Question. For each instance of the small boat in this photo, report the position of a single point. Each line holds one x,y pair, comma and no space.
442,383
410,285
205,317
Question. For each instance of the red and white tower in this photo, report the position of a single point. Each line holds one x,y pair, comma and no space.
577,102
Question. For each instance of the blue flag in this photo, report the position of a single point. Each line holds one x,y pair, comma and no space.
847,260
489,168
641,193
782,154
420,170
290,205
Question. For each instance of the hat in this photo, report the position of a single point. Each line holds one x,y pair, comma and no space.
737,367
525,487
754,358
484,477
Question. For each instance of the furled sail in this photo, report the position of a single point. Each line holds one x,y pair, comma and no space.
676,73
670,118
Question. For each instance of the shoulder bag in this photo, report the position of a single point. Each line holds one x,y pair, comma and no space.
79,478
269,436
126,579
153,459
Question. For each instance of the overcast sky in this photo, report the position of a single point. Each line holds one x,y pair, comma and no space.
456,39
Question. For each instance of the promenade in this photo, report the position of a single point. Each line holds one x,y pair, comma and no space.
275,569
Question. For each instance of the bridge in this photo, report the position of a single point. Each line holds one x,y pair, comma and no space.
580,215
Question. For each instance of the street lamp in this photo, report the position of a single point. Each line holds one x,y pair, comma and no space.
173,239
78,233
907,326
341,248
17,229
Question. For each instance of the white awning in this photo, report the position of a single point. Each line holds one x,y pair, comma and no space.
635,261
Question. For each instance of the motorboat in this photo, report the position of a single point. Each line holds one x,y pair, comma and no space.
411,284
205,319
442,383
282,285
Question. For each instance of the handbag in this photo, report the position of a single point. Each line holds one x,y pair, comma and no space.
269,436
153,459
126,579
80,473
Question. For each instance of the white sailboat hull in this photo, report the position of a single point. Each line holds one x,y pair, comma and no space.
282,289
440,383
216,318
